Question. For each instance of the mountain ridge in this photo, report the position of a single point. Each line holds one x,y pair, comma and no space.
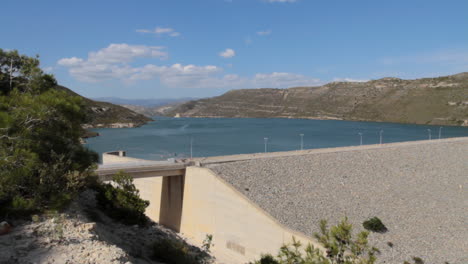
434,101
152,102
104,114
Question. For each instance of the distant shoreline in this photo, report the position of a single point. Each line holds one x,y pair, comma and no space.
322,119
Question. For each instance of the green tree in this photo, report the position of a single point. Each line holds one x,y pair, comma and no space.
22,73
42,163
121,200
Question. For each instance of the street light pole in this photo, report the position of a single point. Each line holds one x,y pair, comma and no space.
360,134
430,135
302,141
266,140
381,131
440,132
191,147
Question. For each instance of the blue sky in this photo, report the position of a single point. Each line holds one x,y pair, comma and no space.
199,48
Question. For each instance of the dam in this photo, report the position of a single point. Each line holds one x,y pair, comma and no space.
254,203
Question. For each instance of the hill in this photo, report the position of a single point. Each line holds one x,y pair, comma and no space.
436,101
103,114
143,102
151,111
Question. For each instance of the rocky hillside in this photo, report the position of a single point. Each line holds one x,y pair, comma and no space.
437,101
84,235
102,114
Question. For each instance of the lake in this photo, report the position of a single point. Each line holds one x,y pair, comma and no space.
171,137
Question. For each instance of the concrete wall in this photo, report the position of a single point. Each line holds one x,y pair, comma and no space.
150,189
116,157
241,230
165,195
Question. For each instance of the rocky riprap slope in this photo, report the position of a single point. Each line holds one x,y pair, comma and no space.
81,235
418,190
438,101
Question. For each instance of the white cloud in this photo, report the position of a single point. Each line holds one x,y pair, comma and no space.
283,80
123,53
176,75
228,53
348,80
115,63
110,62
48,69
70,62
264,33
160,31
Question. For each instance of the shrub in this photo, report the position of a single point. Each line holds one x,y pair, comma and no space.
121,200
207,243
418,260
173,251
267,259
374,224
340,248
178,252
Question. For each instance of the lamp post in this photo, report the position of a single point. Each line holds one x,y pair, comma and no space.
440,132
266,141
302,141
191,147
381,132
429,132
360,134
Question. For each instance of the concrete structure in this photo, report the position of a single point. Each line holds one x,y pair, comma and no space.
196,202
242,231
253,204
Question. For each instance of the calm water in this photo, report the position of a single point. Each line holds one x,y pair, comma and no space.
170,137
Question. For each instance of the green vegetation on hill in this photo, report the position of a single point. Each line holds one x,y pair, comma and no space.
42,163
103,114
437,101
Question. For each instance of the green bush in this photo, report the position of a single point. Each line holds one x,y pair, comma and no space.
374,224
267,259
207,243
41,157
417,260
340,248
173,251
121,200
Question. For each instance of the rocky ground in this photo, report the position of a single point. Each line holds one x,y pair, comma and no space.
417,190
82,234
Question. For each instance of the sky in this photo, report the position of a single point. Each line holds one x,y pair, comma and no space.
199,48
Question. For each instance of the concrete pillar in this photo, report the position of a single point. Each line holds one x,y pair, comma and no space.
172,195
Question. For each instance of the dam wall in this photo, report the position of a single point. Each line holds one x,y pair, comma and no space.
254,203
200,203
241,230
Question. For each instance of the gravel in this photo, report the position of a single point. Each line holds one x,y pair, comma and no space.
417,190
72,238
